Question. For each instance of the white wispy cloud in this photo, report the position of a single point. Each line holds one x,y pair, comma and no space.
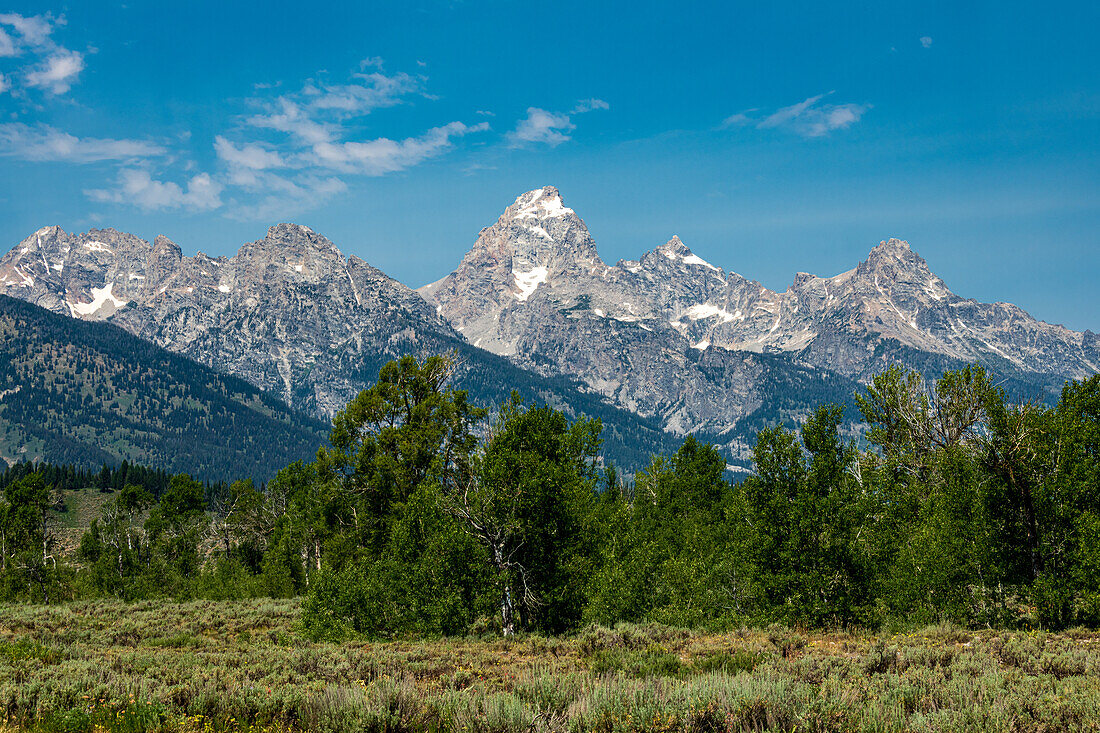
290,117
383,155
541,126
57,72
290,152
33,30
366,93
278,195
45,143
738,119
136,186
7,45
251,156
54,69
808,118
281,197
50,67
926,41
587,105
322,142
315,119
360,95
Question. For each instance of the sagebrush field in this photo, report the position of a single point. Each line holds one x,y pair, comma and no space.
241,666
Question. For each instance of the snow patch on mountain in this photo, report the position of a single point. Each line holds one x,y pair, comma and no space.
100,298
540,231
96,246
694,259
703,311
528,281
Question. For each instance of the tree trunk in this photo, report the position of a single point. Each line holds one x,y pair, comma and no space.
304,553
507,611
507,605
1032,533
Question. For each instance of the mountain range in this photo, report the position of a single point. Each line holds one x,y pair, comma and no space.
658,347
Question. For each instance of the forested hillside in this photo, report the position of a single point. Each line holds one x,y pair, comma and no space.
89,393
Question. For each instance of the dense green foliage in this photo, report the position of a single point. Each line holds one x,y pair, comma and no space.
426,516
84,393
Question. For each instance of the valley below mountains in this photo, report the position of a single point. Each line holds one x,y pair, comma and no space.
657,347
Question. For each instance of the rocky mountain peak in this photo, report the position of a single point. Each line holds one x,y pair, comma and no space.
288,312
893,250
894,260
893,244
108,233
677,253
674,247
290,250
45,238
52,232
536,231
288,231
300,238
164,245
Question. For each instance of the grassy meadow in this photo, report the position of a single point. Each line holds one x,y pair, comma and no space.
241,666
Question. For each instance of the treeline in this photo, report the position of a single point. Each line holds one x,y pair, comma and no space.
426,515
60,478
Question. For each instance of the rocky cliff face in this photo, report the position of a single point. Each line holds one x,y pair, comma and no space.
673,336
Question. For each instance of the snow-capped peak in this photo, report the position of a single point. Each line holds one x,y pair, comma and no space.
541,203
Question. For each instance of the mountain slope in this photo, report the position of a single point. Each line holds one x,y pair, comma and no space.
90,393
675,338
533,288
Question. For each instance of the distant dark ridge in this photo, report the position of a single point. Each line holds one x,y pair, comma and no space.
88,393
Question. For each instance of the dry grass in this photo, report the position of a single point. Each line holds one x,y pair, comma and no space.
207,666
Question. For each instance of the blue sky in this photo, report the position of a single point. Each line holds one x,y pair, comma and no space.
772,137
